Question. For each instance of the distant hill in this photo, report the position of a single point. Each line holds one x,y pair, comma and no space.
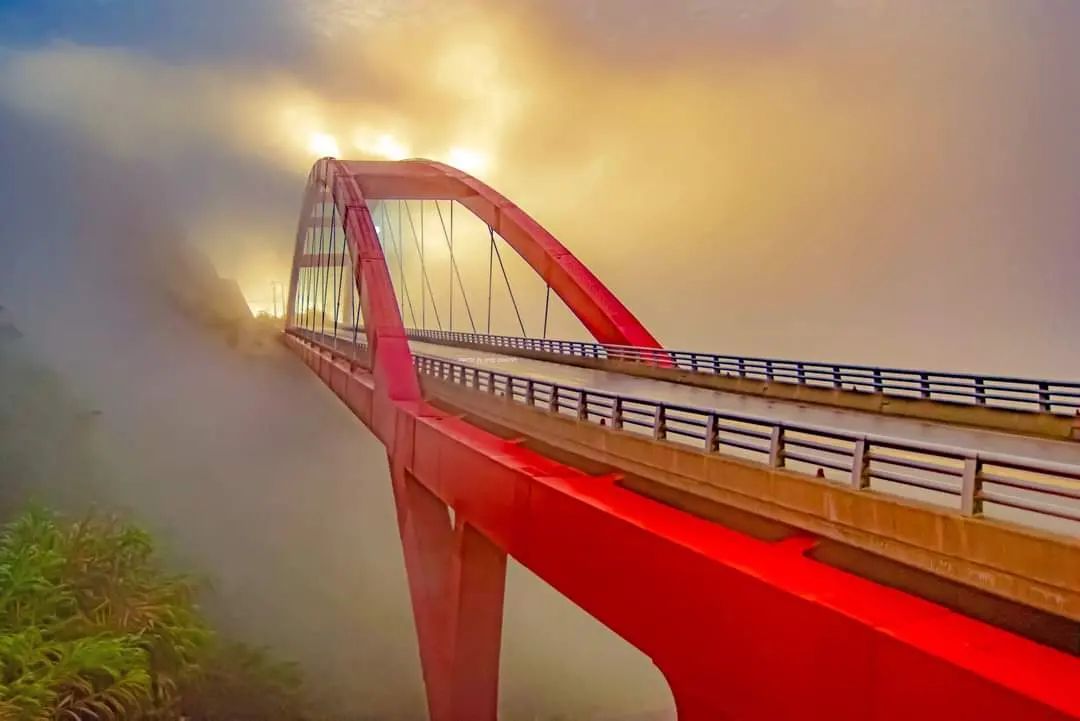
48,447
188,278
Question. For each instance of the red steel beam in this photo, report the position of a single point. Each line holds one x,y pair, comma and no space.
740,628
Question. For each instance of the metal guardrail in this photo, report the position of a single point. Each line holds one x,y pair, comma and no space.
958,477
963,479
1044,396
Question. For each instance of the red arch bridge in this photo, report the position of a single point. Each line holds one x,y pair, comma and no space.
783,539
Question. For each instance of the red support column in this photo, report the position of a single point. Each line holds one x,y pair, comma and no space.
479,571
457,579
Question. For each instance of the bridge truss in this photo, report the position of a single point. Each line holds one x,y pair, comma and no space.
741,628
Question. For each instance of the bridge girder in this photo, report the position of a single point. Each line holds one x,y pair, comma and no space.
739,627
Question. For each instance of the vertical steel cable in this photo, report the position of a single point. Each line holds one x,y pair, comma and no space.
354,302
455,270
450,242
338,282
491,260
325,272
423,268
547,302
401,260
309,246
506,279
322,227
396,241
424,279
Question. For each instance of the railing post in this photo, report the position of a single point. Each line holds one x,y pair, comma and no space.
712,441
768,371
582,406
616,413
776,447
660,423
924,383
877,381
476,378
742,367
860,465
491,382
837,379
800,372
1044,398
971,487
553,402
530,392
980,392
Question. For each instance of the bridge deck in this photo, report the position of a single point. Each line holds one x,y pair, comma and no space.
677,393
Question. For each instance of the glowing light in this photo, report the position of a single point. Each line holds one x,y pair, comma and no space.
384,146
471,161
323,145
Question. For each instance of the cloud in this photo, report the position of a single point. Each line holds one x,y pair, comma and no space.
835,144
141,108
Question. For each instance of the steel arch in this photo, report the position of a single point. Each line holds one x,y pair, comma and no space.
598,309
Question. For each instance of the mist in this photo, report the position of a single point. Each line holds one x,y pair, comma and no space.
849,180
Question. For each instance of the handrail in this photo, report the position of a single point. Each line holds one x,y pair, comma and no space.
962,478
967,477
1030,394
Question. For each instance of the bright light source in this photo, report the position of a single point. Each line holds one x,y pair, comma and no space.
471,161
390,148
384,146
323,145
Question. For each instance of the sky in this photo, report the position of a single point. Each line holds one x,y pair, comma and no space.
853,180
836,179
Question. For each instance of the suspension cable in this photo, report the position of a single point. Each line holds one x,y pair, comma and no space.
506,279
354,303
356,281
491,260
309,273
423,267
318,273
301,280
454,269
547,302
401,263
325,273
339,284
450,243
423,270
401,258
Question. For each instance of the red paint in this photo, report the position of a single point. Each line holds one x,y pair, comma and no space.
741,628
604,315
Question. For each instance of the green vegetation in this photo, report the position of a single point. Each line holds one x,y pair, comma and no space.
92,627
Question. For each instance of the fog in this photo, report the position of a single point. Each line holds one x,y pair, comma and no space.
856,180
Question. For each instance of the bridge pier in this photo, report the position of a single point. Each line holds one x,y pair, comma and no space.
457,582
